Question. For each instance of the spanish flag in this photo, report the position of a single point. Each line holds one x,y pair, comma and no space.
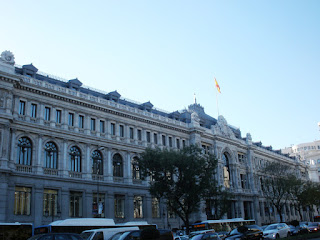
217,85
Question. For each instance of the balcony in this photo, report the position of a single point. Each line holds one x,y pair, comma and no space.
75,174
50,171
24,168
97,177
118,179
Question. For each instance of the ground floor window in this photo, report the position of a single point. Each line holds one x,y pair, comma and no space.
22,201
75,207
50,202
119,206
137,205
98,205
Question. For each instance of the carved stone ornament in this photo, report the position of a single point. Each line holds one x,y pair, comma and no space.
195,118
7,57
249,139
222,128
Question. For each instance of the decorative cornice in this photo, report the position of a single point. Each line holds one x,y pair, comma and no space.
92,106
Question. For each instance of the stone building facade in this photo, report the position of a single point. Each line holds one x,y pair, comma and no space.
68,151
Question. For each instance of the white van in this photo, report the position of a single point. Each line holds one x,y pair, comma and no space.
105,233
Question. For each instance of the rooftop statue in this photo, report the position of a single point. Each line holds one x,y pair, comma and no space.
7,57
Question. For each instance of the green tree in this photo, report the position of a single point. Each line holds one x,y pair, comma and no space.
183,178
277,185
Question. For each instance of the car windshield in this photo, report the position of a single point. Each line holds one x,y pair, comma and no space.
86,235
197,237
271,227
234,231
313,224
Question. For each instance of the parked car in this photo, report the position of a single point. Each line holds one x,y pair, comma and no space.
105,233
183,237
277,230
200,232
206,236
298,230
313,226
56,236
248,232
129,235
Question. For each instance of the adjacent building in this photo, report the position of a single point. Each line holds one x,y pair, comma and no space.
67,151
308,153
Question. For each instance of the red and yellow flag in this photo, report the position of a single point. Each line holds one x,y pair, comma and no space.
217,85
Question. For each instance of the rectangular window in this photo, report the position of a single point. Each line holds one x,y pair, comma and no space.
58,116
102,126
137,207
33,110
155,208
183,143
22,201
81,121
98,205
22,107
170,141
131,133
178,143
243,181
47,114
75,207
155,138
50,202
121,130
113,129
70,120
119,206
148,137
139,132
93,124
163,140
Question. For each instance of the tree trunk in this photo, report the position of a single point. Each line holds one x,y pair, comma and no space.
186,223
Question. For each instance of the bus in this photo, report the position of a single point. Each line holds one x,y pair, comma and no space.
16,231
78,225
224,225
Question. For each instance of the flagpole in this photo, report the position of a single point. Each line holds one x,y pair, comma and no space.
217,102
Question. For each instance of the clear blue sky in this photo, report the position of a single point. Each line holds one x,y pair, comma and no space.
264,54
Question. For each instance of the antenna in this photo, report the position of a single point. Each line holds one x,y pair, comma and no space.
195,99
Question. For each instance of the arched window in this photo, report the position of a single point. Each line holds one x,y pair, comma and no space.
24,151
117,165
226,171
50,155
75,159
135,169
97,163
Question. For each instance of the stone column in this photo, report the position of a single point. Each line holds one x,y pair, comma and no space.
109,209
39,162
4,178
147,208
128,175
37,204
76,122
52,118
129,207
65,202
13,149
64,161
64,119
41,113
87,163
109,166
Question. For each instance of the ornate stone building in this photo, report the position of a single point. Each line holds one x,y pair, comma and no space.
69,151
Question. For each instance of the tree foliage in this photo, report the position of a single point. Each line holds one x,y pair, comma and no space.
277,185
183,178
